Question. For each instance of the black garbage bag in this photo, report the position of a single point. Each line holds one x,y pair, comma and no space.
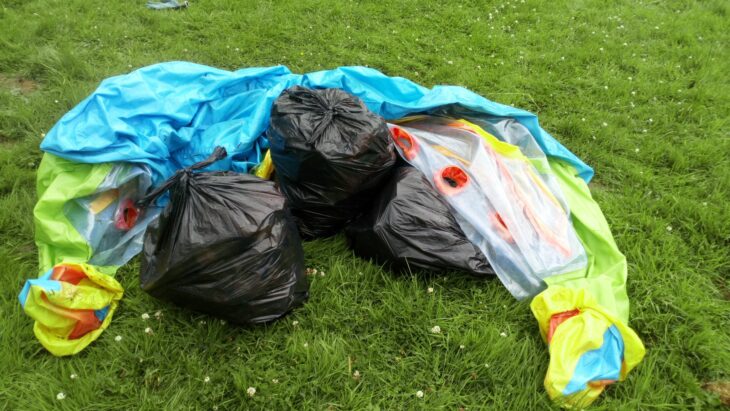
410,225
225,245
331,155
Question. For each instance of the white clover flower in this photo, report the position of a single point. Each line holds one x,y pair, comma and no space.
148,330
644,131
436,329
74,376
295,323
61,396
201,322
251,391
158,314
356,374
118,338
306,345
462,346
429,289
145,316
56,101
419,394
275,381
636,150
669,228
206,379
503,334
321,273
604,124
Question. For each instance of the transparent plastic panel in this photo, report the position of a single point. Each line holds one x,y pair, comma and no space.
502,202
109,220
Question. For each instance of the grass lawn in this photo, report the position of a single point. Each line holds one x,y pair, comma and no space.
638,89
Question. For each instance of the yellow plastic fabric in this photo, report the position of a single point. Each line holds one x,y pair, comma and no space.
266,168
598,291
52,328
576,336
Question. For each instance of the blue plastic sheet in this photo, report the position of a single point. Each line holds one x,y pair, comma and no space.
171,115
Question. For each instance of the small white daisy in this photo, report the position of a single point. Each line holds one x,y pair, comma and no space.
118,338
419,394
206,379
429,289
450,62
669,228
60,396
636,150
74,376
251,391
503,334
462,346
604,124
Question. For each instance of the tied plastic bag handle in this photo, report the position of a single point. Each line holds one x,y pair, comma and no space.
218,154
346,108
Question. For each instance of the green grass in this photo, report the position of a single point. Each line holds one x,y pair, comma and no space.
637,89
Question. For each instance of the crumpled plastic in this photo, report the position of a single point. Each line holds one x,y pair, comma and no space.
225,245
72,304
411,226
505,202
590,347
167,5
171,115
85,212
331,156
